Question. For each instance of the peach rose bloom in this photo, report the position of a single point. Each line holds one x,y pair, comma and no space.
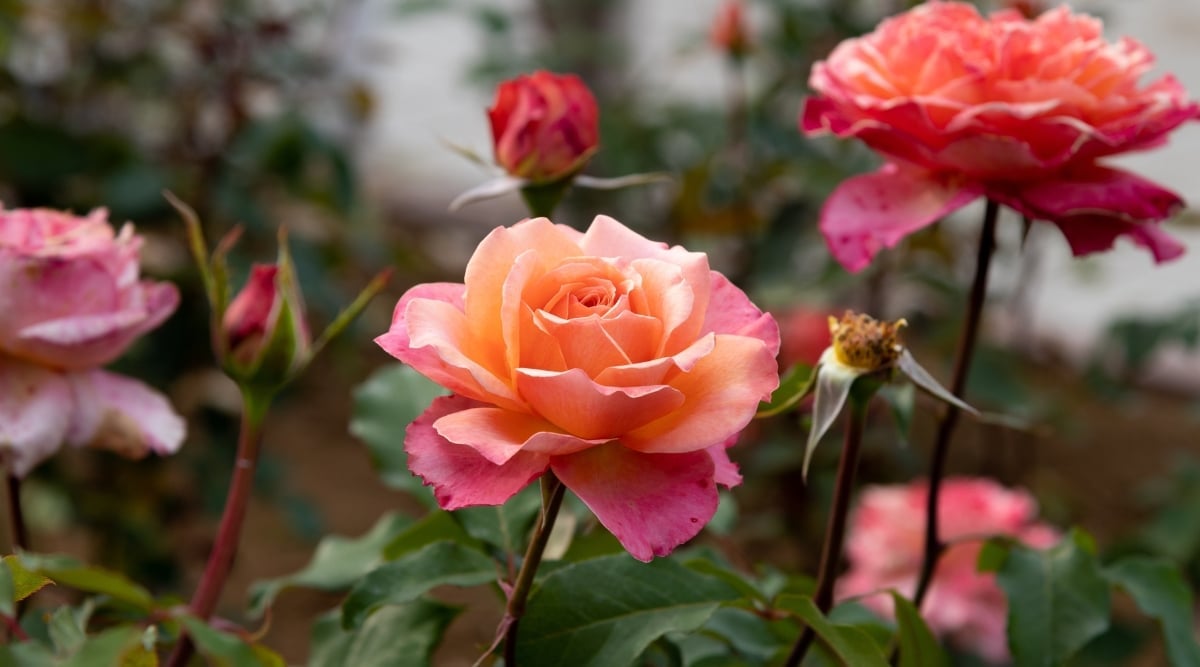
624,366
1017,110
72,301
885,546
545,126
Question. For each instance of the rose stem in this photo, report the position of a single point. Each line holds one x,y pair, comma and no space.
962,365
831,552
16,517
220,560
552,497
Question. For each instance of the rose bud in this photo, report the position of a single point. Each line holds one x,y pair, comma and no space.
544,126
265,333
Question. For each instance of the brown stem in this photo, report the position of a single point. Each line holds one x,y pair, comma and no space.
958,383
19,533
831,552
220,560
552,497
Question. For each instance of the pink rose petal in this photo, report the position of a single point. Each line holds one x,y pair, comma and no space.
35,409
651,503
124,415
581,406
730,311
498,435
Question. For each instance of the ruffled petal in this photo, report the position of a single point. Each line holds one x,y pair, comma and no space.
722,392
122,415
730,311
579,405
459,475
1093,206
35,409
499,435
651,503
725,471
874,211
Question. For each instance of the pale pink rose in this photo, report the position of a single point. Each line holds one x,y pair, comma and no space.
545,126
72,302
624,366
885,546
1014,109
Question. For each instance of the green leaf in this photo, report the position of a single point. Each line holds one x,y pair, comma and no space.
120,646
504,526
384,406
336,564
100,581
1058,600
436,526
606,611
227,650
918,647
395,636
798,382
67,627
25,581
1162,594
8,591
847,645
404,580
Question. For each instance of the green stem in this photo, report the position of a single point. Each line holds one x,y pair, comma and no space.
552,497
962,365
220,560
542,199
831,552
19,533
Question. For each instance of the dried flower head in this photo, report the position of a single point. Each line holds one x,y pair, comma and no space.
865,343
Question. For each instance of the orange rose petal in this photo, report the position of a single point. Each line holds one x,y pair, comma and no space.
720,390
582,407
498,435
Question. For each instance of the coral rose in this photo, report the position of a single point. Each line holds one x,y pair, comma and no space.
885,546
545,126
623,366
72,302
1012,109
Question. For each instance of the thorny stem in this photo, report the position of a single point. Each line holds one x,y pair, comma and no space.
831,552
18,533
220,560
962,364
552,497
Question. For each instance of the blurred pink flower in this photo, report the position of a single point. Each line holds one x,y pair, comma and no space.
72,302
1009,108
805,335
545,126
624,366
884,548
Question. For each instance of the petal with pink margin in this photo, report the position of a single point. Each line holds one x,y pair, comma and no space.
35,409
730,311
122,415
651,503
869,212
459,475
579,405
498,435
1093,206
725,471
721,392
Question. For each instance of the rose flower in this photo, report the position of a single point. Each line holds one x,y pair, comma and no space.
545,126
72,302
623,366
1016,110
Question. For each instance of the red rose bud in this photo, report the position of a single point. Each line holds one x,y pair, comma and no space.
264,327
729,33
544,126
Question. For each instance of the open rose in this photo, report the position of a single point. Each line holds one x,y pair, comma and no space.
545,126
1012,109
885,546
72,301
624,366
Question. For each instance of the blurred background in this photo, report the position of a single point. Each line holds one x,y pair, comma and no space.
332,117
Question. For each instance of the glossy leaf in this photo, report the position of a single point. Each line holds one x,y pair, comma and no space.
798,382
226,650
335,565
1058,599
918,647
92,580
404,580
848,646
606,611
25,581
384,406
1162,594
116,647
395,636
503,526
436,526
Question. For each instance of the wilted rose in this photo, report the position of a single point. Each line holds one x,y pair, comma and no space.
73,301
885,547
624,366
1016,110
545,126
